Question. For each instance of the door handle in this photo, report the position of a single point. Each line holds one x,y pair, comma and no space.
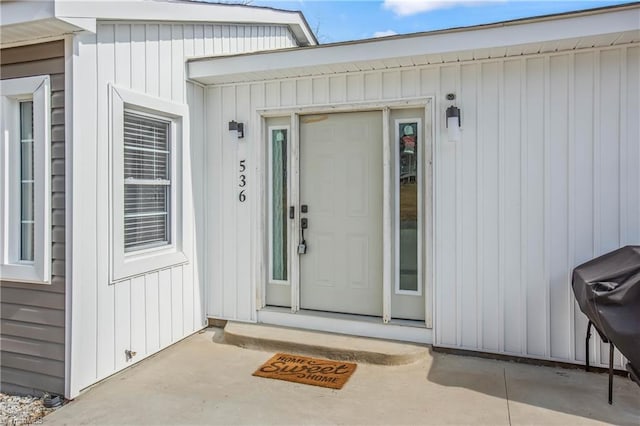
302,247
292,212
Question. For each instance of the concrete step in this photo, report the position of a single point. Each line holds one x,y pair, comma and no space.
326,345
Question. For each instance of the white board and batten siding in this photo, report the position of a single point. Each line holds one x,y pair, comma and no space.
544,178
148,312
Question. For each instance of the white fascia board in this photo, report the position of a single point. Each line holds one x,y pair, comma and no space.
140,10
498,35
19,12
86,24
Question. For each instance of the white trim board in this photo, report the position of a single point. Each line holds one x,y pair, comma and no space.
536,31
82,15
345,324
68,205
187,11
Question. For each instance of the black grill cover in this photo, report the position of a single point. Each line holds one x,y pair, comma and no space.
607,289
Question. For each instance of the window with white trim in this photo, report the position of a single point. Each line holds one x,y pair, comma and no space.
147,139
25,241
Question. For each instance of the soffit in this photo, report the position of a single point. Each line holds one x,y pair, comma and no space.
33,31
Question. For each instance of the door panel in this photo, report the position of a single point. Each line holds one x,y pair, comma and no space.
341,183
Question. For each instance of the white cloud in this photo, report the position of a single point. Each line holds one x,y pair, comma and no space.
384,33
413,7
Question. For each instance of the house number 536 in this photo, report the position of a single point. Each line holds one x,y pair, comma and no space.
242,182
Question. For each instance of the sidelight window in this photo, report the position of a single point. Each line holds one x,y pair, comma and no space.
278,196
27,182
408,202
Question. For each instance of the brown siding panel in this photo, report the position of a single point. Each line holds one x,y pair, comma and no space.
28,69
57,150
57,133
32,316
57,169
34,52
31,380
54,351
57,285
32,363
57,200
34,297
58,218
58,266
57,99
57,82
28,313
57,236
57,116
57,185
33,331
58,249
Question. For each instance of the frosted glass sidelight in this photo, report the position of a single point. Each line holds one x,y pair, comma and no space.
408,205
279,204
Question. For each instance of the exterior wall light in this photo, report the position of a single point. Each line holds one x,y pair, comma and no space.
453,120
238,127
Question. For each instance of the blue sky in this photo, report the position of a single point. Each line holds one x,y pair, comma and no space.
357,19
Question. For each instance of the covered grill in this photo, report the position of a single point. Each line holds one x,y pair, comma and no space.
607,289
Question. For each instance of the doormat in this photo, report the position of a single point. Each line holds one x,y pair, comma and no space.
310,371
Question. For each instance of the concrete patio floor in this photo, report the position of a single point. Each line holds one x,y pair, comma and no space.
204,381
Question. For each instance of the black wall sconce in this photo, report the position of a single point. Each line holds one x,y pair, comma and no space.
453,120
238,127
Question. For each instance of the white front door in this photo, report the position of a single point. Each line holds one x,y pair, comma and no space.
341,187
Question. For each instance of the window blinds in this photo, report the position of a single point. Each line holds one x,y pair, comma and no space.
147,181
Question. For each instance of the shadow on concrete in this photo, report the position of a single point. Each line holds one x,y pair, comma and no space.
532,391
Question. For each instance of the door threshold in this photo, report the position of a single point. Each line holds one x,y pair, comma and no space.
355,325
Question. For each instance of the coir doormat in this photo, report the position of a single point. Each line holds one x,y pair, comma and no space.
310,371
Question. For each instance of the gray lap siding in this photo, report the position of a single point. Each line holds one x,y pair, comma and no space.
32,316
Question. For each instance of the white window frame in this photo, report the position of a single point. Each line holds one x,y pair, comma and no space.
124,264
12,92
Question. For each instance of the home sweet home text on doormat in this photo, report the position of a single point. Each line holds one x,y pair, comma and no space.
310,371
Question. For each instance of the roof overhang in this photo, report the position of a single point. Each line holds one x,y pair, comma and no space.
578,30
24,20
